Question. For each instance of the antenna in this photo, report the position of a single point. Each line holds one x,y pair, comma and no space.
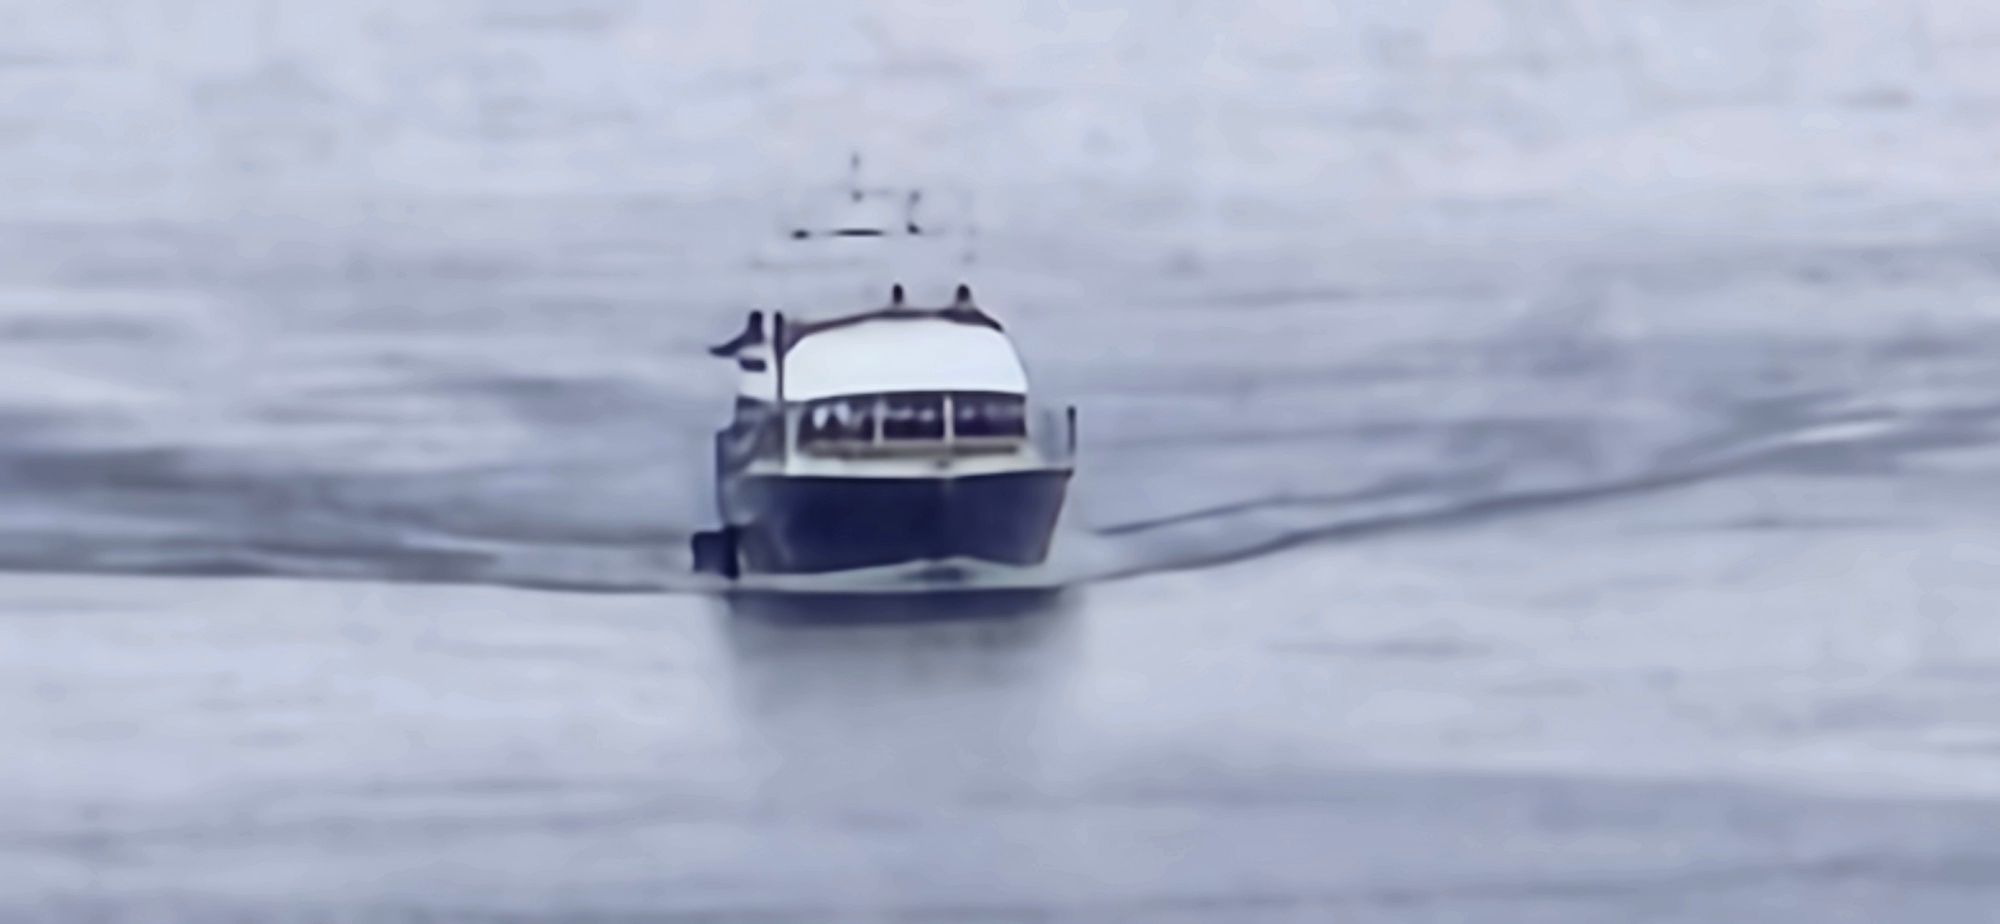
854,191
969,206
778,354
910,212
896,296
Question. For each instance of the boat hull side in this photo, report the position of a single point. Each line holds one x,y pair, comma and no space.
821,524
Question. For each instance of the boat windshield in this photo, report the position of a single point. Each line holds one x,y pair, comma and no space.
913,417
838,420
987,415
908,418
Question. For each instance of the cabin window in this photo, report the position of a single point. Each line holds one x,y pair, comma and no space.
838,420
978,415
853,423
913,417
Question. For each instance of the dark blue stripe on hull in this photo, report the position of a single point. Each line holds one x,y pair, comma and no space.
808,525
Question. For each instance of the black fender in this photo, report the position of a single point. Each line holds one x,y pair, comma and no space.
715,553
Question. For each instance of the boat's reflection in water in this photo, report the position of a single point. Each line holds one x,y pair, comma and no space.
899,703
977,611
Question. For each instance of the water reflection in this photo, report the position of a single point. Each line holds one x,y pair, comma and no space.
982,612
898,703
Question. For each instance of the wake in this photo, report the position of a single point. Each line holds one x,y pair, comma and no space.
1206,538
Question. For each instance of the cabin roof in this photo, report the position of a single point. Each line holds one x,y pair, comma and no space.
902,350
957,314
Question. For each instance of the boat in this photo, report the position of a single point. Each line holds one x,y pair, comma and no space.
896,439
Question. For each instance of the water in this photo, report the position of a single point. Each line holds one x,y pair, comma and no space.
1530,473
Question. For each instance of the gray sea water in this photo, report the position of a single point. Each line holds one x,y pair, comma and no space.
1539,464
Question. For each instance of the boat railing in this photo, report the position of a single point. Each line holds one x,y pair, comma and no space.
747,440
1052,431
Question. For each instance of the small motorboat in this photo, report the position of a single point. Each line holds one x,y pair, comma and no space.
899,438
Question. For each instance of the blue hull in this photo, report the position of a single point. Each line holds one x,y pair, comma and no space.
816,525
